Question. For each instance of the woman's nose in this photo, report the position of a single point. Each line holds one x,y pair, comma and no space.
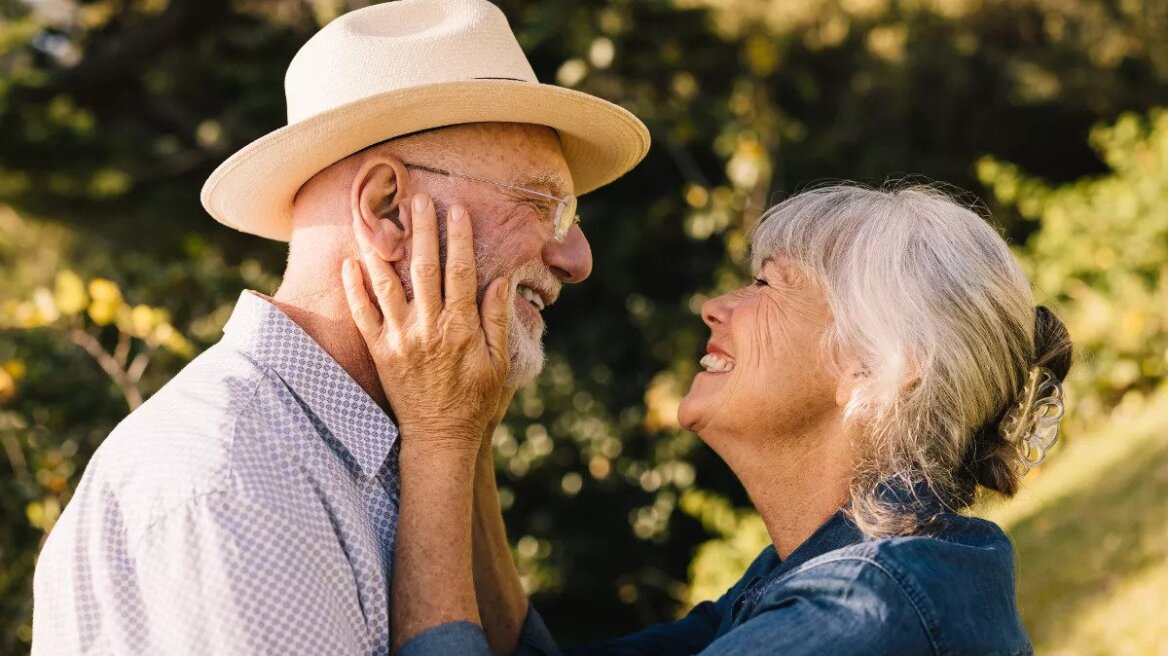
716,311
571,259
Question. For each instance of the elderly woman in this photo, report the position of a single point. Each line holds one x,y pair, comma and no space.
886,363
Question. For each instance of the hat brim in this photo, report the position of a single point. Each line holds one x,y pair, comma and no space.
252,191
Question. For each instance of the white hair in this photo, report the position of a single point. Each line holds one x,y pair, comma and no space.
927,296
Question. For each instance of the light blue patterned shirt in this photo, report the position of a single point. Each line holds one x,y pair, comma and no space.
249,507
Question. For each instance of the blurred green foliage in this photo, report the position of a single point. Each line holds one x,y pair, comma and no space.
1101,256
112,112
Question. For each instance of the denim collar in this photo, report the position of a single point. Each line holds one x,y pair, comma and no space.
840,531
836,533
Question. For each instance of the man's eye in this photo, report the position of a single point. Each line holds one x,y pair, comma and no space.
760,282
540,207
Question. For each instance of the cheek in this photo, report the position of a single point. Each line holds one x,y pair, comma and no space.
761,336
508,234
780,378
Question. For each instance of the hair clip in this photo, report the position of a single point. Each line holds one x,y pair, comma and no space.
1033,423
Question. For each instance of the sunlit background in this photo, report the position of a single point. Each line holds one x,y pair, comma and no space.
112,112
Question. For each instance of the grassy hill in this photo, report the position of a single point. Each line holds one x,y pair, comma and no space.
1091,532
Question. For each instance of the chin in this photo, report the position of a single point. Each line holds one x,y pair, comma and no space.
689,414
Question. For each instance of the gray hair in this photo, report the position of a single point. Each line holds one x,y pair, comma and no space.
927,296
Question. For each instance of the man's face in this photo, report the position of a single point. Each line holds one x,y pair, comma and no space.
513,230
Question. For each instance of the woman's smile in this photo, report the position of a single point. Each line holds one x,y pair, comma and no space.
716,360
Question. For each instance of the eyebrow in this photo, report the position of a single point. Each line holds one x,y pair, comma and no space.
545,181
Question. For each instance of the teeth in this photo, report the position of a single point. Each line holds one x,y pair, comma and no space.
717,364
532,297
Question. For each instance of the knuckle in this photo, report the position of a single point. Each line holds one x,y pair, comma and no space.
426,269
461,268
426,337
383,285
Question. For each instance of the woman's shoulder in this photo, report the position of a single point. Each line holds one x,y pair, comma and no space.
953,547
958,561
956,583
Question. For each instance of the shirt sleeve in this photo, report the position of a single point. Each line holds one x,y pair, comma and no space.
464,638
467,638
226,575
535,639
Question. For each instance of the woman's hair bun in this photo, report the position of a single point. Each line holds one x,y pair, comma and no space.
1052,343
999,464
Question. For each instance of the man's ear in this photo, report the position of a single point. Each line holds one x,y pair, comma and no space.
377,200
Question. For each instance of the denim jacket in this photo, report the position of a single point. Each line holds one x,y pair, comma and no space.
948,592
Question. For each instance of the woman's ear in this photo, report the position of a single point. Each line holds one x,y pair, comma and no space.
376,201
853,373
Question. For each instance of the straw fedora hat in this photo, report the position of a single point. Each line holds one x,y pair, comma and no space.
400,67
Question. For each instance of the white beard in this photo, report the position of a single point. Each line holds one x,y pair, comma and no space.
527,356
525,343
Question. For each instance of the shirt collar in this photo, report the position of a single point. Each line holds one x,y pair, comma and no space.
836,533
266,335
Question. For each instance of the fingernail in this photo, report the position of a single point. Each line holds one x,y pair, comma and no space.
419,203
504,289
456,213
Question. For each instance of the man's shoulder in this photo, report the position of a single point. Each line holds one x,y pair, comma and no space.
199,409
190,438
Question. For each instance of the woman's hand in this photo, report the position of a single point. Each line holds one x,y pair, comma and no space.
442,365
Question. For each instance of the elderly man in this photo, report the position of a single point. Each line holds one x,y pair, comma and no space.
250,506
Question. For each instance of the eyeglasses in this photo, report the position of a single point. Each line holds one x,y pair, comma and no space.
565,213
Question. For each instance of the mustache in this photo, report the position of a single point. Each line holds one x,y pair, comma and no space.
533,273
540,278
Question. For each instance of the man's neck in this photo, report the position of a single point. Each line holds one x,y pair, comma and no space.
798,485
323,313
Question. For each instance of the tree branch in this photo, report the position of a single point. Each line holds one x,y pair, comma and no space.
90,344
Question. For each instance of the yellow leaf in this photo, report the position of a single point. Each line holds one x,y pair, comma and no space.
26,315
43,514
173,341
107,301
105,290
15,368
70,293
46,306
141,321
7,386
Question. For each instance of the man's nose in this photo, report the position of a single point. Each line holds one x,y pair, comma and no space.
571,259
